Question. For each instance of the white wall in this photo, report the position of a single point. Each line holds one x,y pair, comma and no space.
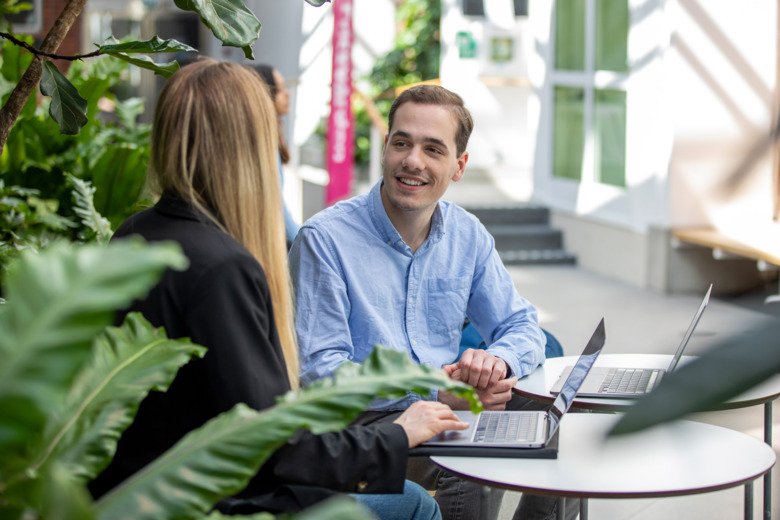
495,93
723,64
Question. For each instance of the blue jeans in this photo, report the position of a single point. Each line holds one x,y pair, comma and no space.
414,504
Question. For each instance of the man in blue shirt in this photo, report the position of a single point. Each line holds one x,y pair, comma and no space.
402,268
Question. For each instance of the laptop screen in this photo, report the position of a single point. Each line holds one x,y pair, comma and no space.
689,332
576,377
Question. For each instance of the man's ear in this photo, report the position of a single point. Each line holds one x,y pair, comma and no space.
462,160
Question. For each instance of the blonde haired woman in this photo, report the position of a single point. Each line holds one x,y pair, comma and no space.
214,153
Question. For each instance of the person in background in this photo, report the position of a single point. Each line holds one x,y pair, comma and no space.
213,164
281,98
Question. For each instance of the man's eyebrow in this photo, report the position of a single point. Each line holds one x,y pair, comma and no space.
407,135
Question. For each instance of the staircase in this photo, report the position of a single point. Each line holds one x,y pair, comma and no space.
523,234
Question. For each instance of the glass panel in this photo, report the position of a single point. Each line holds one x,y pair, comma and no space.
473,8
609,117
612,35
568,132
570,35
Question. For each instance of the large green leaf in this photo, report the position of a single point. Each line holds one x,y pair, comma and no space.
230,21
127,363
731,367
58,301
67,106
165,70
218,459
118,175
151,46
54,494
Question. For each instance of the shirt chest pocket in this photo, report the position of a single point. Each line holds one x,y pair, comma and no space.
447,300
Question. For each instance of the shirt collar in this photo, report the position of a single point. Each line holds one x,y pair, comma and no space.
387,231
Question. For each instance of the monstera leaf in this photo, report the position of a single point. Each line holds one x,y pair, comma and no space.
218,459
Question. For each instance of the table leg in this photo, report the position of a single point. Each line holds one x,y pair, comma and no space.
768,476
749,501
560,514
583,508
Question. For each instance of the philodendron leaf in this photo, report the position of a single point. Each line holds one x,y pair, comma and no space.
218,459
58,301
165,70
67,106
230,21
151,46
127,362
733,366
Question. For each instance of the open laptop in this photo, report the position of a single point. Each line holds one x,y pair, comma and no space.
518,429
630,382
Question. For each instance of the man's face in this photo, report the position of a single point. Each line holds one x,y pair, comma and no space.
420,159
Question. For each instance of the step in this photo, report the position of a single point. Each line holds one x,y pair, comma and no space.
527,236
537,257
510,214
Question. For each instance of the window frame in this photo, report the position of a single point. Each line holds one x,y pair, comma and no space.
589,80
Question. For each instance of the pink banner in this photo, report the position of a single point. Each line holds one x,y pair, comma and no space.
341,126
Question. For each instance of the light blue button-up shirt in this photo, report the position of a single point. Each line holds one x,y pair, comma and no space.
358,284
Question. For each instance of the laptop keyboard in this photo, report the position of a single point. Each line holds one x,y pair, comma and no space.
506,426
628,380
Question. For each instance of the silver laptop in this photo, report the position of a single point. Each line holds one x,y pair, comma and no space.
518,429
630,382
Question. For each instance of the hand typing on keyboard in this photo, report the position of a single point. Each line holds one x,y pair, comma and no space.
425,419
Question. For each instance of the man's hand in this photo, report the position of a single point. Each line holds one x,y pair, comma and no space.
478,368
496,396
493,397
425,419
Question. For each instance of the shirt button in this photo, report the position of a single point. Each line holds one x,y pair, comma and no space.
362,485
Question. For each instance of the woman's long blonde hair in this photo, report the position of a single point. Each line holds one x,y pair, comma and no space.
214,143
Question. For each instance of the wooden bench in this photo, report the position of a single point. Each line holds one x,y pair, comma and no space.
723,245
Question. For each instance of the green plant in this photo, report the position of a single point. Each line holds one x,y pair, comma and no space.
55,186
229,20
414,58
69,387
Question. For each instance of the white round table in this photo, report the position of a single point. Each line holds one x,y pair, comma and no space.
537,386
679,458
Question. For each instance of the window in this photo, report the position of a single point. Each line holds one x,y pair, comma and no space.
589,94
477,7
30,21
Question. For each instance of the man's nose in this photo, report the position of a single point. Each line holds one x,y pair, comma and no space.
414,160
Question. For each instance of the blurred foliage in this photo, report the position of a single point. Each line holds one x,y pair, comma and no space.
61,186
415,58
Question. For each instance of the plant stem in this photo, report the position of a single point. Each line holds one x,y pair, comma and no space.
32,76
39,52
